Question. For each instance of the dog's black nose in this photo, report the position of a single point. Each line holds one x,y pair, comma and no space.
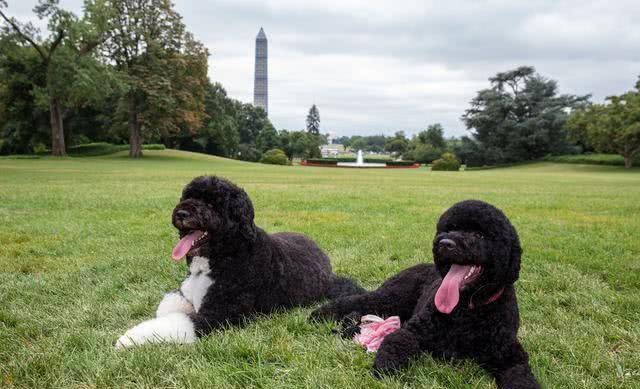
182,214
447,244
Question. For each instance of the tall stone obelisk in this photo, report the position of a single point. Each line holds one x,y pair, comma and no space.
260,81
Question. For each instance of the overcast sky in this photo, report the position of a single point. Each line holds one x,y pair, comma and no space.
381,66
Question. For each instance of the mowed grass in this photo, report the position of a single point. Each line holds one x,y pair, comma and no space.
85,254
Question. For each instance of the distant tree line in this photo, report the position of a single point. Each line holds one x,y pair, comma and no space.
612,127
423,147
129,72
126,71
522,117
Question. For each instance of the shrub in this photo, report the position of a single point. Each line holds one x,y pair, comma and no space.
247,152
424,153
95,149
154,146
400,163
275,157
325,161
39,149
79,139
591,159
447,162
103,148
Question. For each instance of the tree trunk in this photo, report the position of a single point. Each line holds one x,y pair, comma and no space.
628,161
57,129
135,137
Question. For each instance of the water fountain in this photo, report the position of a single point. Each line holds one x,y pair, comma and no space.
360,163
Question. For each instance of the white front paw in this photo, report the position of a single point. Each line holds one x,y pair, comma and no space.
173,302
172,328
124,342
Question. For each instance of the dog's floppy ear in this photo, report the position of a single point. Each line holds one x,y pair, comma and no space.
241,210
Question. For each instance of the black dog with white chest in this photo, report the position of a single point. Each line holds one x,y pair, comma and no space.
235,268
463,306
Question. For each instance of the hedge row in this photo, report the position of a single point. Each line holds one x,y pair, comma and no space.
591,159
326,161
400,163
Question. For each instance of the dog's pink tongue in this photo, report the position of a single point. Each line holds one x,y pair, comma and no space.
183,247
448,293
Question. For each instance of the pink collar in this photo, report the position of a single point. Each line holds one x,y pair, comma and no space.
491,299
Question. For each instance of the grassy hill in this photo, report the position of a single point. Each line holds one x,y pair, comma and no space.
85,254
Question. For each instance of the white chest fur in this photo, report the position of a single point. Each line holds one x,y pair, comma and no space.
195,287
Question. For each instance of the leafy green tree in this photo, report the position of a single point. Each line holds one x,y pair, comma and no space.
343,140
220,139
286,143
23,124
251,121
313,121
301,144
428,145
366,143
375,142
230,128
423,153
358,143
67,82
248,152
398,144
219,135
268,138
521,116
163,67
613,127
434,136
311,145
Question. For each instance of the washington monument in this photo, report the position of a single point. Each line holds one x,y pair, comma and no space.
260,83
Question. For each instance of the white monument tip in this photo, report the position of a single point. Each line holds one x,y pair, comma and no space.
261,35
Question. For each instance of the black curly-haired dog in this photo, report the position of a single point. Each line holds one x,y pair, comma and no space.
464,306
235,268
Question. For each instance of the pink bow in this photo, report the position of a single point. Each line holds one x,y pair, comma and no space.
373,329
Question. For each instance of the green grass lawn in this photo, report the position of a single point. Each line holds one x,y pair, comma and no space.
85,249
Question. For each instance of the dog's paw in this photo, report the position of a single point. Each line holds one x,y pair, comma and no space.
124,342
350,325
173,328
174,302
383,368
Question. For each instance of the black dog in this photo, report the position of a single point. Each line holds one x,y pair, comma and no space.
235,268
464,306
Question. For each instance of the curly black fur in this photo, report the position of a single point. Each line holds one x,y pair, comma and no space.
480,328
254,272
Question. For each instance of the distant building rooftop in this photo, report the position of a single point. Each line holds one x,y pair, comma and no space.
332,149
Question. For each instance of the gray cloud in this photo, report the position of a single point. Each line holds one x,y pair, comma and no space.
381,66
